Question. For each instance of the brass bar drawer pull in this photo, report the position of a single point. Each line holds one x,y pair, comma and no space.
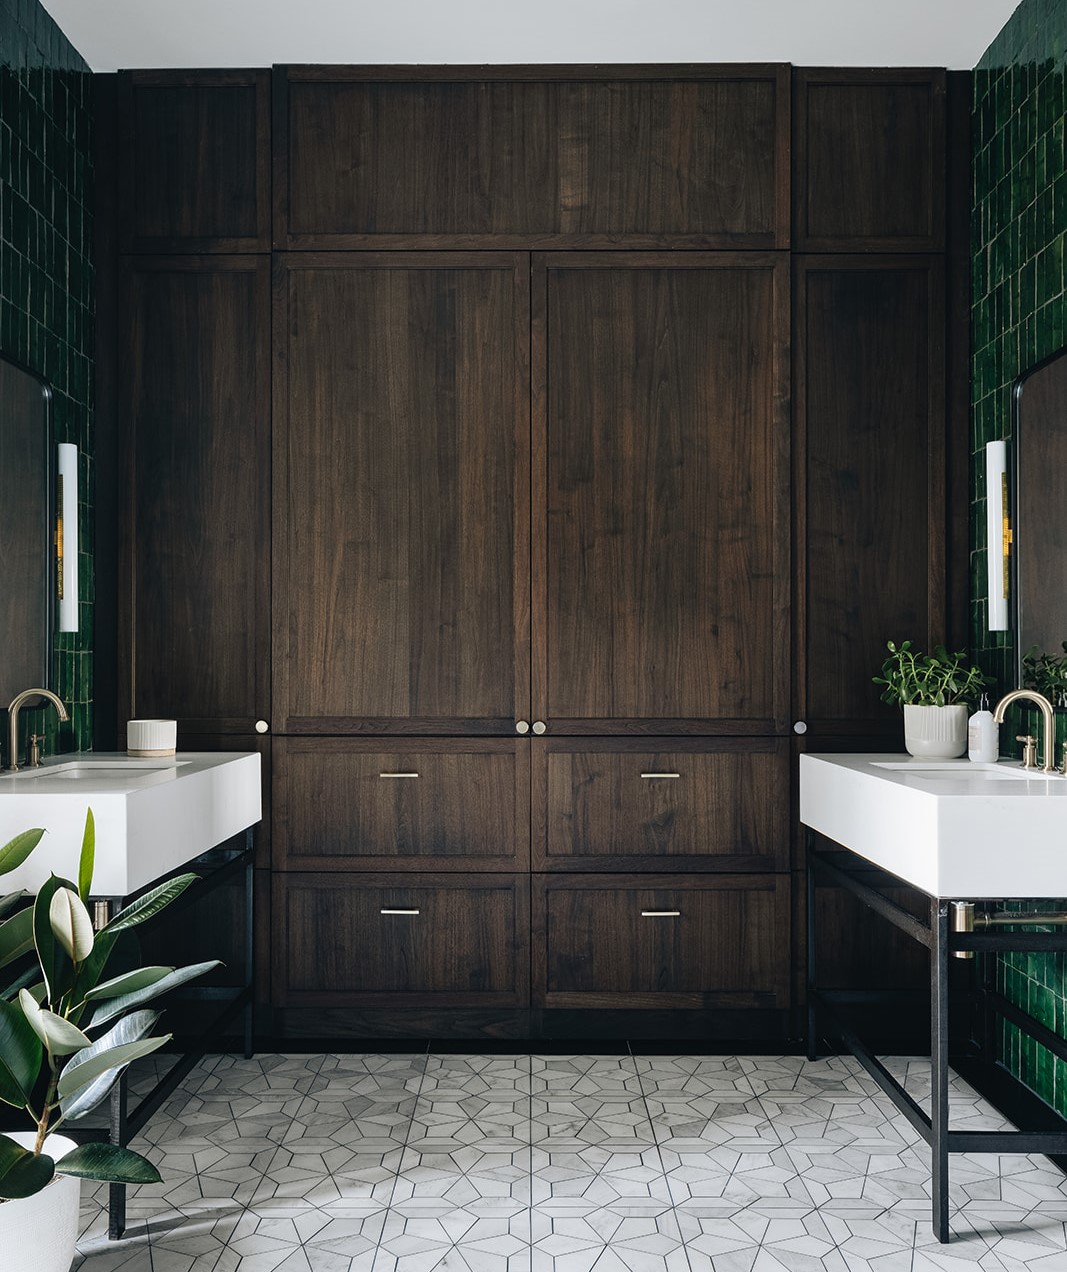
398,911
661,775
398,774
661,914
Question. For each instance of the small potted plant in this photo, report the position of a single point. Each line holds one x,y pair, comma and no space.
67,1032
1047,673
934,690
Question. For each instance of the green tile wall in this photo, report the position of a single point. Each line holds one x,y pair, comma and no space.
1019,316
46,285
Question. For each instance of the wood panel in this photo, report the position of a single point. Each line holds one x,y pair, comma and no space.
343,803
195,168
401,493
870,449
661,578
195,433
869,160
467,945
727,945
683,805
578,156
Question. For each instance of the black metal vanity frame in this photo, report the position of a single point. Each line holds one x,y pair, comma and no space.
827,1006
213,868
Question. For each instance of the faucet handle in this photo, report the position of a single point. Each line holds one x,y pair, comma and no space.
1029,742
33,757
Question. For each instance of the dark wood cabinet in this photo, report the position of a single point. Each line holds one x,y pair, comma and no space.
580,157
661,941
661,493
194,415
357,804
195,175
401,494
378,940
869,160
661,804
869,410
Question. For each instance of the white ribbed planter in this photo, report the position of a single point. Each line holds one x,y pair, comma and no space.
935,733
42,1229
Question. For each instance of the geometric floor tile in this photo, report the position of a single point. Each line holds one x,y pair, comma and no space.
527,1163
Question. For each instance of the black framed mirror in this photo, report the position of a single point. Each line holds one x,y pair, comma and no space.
1039,530
27,528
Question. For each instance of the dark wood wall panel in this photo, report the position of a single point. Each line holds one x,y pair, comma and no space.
661,584
870,423
456,157
464,941
196,175
401,494
661,804
195,430
663,941
869,160
340,803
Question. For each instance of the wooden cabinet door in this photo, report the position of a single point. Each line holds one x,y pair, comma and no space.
871,505
660,804
194,413
661,574
661,941
401,493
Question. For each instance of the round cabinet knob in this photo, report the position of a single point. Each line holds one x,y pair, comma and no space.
262,726
800,727
522,726
539,727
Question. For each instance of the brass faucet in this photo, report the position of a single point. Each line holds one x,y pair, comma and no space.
1048,716
13,709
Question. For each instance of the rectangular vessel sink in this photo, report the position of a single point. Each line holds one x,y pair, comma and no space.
950,827
152,815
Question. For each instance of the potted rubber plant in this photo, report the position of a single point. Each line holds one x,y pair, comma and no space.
68,1030
936,692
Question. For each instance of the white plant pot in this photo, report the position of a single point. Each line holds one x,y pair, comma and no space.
43,1229
935,733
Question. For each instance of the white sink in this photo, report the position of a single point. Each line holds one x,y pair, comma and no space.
152,815
950,827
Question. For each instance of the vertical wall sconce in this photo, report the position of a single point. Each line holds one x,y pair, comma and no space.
998,534
67,536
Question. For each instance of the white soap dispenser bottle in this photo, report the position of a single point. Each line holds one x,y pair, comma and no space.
983,735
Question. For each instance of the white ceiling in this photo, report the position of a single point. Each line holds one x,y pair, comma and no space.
121,34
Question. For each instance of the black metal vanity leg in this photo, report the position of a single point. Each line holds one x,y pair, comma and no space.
116,1204
813,1023
939,1067
250,901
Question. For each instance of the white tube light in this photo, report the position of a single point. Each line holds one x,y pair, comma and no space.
67,536
998,534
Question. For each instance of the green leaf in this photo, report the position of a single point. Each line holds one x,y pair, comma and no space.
59,1036
151,903
21,1173
88,857
130,1029
16,850
71,924
16,936
48,955
21,1055
75,1078
108,1162
11,901
174,978
127,982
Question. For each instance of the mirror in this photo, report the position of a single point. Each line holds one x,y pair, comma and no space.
27,558
1039,538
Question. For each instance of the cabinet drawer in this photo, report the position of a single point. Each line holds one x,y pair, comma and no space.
622,805
720,941
378,940
350,804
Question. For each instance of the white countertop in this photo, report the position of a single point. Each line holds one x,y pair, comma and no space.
950,827
152,815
